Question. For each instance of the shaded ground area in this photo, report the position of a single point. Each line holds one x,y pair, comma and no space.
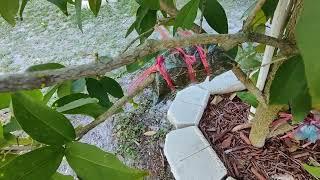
278,156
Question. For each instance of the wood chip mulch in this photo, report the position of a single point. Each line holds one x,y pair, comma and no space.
243,161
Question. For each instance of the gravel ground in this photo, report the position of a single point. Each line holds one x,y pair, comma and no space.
47,35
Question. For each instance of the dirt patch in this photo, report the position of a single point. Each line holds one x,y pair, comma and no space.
243,161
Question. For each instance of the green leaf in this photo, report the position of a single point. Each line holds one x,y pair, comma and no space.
215,16
22,6
269,7
186,16
6,158
301,106
290,86
43,67
61,4
76,104
233,52
258,23
96,90
151,4
1,132
58,176
90,162
49,93
92,109
95,6
249,98
41,122
39,164
5,99
141,12
78,13
13,125
131,28
78,86
112,87
9,9
64,89
313,170
289,81
35,94
140,63
148,22
307,33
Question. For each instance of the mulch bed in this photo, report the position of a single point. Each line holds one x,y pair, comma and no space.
243,161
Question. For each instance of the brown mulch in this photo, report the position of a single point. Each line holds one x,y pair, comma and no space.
243,161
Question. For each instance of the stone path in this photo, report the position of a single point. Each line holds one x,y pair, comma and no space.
188,152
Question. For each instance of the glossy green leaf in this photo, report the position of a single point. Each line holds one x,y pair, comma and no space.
307,33
96,90
92,109
186,16
22,6
269,7
112,87
49,93
313,170
215,16
289,81
9,9
39,164
90,162
258,23
78,13
151,4
5,99
43,67
249,98
64,89
41,122
95,6
301,106
78,86
58,176
140,63
61,4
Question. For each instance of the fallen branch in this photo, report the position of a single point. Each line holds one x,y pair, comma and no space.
40,79
112,110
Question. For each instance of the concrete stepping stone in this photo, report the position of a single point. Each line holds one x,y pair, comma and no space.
191,157
224,83
188,107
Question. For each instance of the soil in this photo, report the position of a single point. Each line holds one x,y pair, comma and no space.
279,157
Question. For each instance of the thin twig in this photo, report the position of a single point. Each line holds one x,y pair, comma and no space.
135,39
40,79
249,84
252,15
116,106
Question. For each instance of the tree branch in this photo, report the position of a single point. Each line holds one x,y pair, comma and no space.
40,79
249,84
115,107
